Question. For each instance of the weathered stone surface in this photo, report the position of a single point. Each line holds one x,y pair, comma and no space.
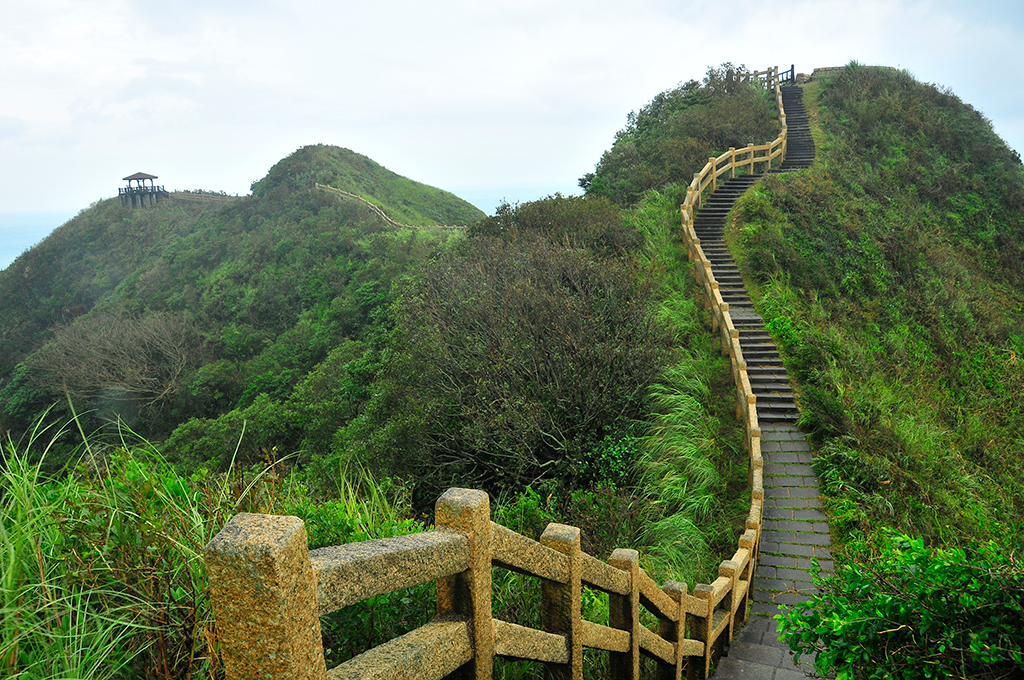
429,652
468,512
603,637
603,576
624,614
519,642
520,554
351,573
560,602
264,599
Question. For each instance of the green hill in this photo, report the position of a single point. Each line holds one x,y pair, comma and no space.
891,273
266,286
404,200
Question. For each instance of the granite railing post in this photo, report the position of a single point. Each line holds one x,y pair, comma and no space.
264,599
731,571
468,594
561,602
624,614
701,628
674,631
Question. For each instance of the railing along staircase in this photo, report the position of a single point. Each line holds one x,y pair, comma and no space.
269,590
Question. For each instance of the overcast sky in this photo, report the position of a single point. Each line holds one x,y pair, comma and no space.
489,100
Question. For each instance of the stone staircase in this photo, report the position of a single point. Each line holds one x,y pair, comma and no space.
794,529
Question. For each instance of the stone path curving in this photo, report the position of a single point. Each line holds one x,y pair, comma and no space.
794,529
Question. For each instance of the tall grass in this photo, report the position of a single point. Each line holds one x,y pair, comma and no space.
689,469
52,625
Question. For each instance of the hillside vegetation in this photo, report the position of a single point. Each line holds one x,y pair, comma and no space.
892,275
288,352
181,311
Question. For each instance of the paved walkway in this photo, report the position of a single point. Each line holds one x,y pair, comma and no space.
794,529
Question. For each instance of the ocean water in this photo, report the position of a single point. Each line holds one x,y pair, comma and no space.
20,231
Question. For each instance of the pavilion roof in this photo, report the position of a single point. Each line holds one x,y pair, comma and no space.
139,175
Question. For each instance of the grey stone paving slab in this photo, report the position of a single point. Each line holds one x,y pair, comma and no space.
792,549
776,561
768,656
795,525
792,574
790,598
735,669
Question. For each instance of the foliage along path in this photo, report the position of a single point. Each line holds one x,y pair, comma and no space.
794,529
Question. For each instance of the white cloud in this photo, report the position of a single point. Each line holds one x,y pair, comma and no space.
478,95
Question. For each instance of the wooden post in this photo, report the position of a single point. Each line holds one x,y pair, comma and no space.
468,512
624,614
263,591
732,161
714,173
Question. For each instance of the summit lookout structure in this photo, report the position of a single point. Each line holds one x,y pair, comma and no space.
141,195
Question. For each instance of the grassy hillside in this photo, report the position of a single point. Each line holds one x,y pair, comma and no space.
892,274
264,287
403,200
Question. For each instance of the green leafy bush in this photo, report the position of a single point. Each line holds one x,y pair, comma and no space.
916,612
672,137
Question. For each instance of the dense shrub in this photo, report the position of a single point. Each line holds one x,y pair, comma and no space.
672,137
511,360
593,222
916,612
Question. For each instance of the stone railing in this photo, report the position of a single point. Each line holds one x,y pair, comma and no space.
747,158
721,322
269,591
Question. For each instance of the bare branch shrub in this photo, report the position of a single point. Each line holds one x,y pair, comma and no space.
144,356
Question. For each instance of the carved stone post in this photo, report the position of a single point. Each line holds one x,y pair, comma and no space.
730,570
700,628
674,631
264,599
624,614
560,602
468,594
